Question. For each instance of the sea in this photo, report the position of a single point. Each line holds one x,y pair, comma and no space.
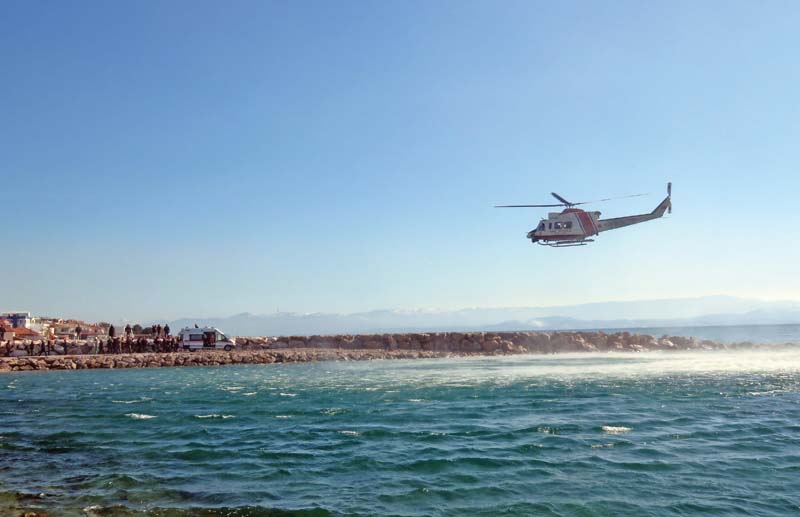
653,433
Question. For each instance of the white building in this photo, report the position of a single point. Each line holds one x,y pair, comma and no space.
18,319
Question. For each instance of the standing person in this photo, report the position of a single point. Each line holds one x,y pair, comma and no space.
78,331
111,332
158,330
166,330
128,330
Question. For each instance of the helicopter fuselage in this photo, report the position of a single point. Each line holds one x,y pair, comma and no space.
571,224
574,227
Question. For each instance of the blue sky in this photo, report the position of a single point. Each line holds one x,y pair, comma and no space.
165,159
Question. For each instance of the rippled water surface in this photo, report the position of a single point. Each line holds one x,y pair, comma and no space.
572,434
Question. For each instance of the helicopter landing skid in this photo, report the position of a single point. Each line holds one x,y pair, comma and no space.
566,244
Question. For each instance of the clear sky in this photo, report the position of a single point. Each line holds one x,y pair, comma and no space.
190,158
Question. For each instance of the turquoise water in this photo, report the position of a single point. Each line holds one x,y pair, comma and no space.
571,434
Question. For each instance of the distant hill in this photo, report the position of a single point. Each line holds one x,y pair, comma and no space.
710,310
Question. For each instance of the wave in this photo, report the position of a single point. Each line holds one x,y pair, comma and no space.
215,415
140,416
333,411
610,429
141,399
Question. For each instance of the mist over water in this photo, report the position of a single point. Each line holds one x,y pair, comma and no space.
654,433
771,334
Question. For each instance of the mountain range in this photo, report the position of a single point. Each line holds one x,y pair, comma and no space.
702,311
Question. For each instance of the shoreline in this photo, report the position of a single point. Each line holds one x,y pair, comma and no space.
294,349
202,358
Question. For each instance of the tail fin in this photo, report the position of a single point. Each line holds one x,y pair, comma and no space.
669,196
665,205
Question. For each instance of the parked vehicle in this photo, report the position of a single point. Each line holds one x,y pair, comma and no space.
205,338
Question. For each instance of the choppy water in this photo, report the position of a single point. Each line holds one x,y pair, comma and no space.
572,434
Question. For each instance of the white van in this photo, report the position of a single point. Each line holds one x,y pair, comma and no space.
206,338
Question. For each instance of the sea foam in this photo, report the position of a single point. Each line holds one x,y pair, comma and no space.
139,416
610,429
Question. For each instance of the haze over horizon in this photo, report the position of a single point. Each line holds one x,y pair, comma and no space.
193,158
700,311
650,309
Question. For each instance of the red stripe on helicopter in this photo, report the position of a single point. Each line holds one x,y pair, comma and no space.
589,228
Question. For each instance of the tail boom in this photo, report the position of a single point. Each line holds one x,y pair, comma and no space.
604,225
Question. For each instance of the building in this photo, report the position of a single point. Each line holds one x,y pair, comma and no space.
65,329
23,333
18,319
6,330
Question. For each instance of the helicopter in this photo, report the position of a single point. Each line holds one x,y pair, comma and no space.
575,227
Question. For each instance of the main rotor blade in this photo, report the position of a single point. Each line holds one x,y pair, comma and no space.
609,199
564,202
621,197
561,199
525,206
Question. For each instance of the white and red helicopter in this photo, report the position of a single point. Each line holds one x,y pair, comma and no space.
574,227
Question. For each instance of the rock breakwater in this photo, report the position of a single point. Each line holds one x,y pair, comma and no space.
262,350
487,342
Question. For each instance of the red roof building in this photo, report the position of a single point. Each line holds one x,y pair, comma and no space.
23,333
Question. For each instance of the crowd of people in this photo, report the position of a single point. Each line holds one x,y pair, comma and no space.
158,340
115,345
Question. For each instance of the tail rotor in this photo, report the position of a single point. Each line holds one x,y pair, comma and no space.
669,196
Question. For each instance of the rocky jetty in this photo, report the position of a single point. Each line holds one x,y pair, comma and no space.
204,358
485,342
263,350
